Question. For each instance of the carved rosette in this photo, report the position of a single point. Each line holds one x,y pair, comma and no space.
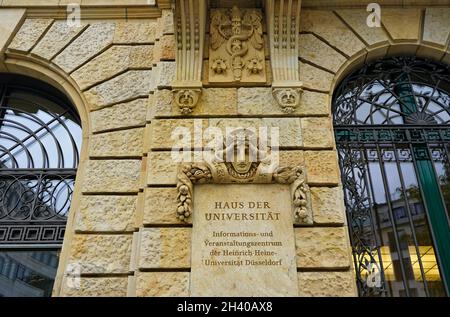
186,99
300,193
187,176
287,98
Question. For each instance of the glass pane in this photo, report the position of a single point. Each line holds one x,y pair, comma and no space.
27,273
399,222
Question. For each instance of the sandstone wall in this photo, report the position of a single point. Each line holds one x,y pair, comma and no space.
123,232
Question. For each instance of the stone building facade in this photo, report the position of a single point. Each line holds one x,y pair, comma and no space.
121,68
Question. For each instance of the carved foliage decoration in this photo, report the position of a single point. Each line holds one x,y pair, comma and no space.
236,52
190,17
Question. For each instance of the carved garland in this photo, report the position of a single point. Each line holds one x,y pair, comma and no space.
198,173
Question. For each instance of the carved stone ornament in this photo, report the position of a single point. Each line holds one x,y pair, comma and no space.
190,17
287,98
236,52
283,23
186,99
244,170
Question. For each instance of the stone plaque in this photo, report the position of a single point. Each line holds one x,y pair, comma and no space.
243,241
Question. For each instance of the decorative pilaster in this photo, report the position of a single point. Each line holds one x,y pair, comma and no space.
190,17
283,20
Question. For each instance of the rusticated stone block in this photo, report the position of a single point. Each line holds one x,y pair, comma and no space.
357,20
314,103
322,167
319,53
327,284
166,132
402,24
29,33
328,26
160,206
165,72
129,114
321,247
437,25
59,35
131,84
95,286
135,31
165,248
124,143
11,19
106,213
161,169
94,39
101,253
112,176
114,60
315,78
164,49
149,284
291,158
328,205
289,129
317,133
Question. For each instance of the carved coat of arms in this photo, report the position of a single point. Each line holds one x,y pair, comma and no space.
236,52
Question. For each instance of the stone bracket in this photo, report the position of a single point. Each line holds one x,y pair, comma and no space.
190,19
283,25
198,173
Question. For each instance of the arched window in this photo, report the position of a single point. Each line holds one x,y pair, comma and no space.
40,141
392,128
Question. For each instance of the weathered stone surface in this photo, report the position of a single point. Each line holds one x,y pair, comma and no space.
59,35
132,84
328,26
112,176
165,49
135,31
259,101
165,74
129,114
166,22
29,33
101,253
319,53
235,123
213,101
290,131
149,284
95,287
114,60
317,133
164,131
291,158
402,24
106,213
160,205
94,39
327,284
269,243
328,205
165,248
124,143
437,25
10,21
314,103
321,247
357,20
161,169
315,78
322,167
